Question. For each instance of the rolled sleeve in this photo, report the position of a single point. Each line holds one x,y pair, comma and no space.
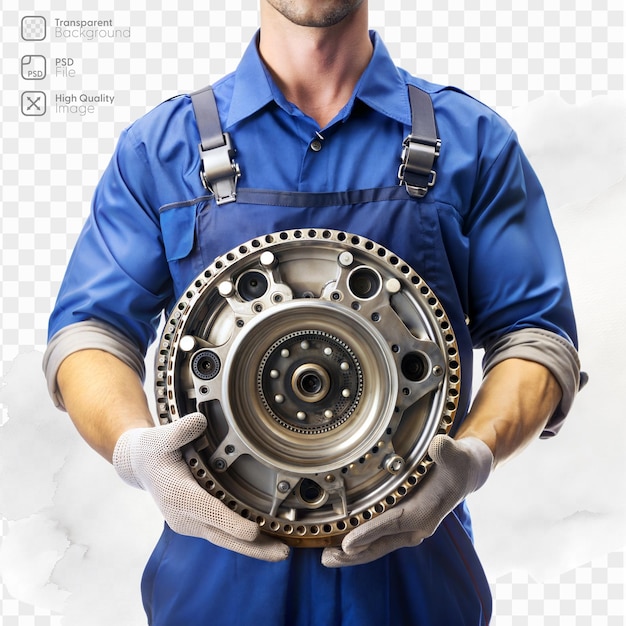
88,335
550,350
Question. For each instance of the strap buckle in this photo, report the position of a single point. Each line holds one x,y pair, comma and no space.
219,172
416,171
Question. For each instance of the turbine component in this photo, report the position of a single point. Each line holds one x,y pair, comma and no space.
324,365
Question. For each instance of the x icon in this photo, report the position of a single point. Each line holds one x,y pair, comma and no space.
33,103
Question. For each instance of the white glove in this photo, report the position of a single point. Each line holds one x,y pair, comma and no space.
150,458
461,467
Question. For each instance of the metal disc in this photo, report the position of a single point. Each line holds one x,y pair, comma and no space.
325,365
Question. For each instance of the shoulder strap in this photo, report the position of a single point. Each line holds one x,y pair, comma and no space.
421,147
219,172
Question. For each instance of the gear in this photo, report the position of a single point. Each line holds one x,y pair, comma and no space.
324,365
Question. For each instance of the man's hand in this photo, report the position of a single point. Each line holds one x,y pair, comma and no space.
461,467
150,458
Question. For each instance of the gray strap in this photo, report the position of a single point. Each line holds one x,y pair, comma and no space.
207,118
219,172
421,147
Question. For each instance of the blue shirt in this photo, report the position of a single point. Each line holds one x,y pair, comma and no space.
482,238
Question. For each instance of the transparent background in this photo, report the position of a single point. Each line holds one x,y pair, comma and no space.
550,525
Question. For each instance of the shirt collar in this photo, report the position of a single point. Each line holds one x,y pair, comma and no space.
381,86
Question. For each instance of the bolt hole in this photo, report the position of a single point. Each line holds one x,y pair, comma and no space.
310,491
414,366
364,283
252,285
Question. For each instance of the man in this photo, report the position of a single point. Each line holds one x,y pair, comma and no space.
315,107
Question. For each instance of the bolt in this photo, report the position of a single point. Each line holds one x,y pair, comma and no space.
393,285
219,465
330,478
345,366
328,351
279,398
187,343
274,374
345,259
345,393
393,463
305,345
301,416
328,413
437,371
226,289
285,353
283,486
267,259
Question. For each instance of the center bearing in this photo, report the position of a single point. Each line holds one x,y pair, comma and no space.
310,381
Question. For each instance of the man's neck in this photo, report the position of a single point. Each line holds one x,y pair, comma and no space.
315,68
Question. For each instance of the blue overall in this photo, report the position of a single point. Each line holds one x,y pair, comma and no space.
482,238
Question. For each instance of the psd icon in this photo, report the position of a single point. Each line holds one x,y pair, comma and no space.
33,67
33,28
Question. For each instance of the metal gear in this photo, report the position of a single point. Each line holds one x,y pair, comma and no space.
325,365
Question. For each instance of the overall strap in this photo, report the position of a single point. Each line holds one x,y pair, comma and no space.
421,147
219,171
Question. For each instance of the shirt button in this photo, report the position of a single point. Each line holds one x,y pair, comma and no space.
316,145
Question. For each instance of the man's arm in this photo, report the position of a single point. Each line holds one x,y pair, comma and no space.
512,407
108,406
103,396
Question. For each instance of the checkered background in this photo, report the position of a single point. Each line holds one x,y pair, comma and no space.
506,57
